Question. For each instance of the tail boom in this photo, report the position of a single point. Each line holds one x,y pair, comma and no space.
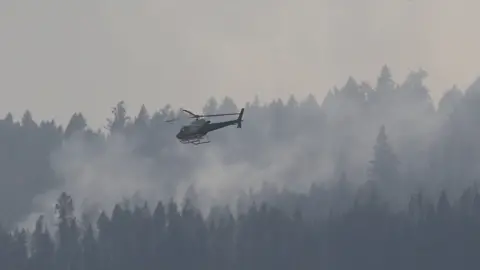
214,126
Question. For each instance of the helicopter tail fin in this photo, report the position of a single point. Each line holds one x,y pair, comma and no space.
240,119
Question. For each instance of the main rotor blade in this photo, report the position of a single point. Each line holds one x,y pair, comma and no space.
189,112
207,115
221,114
171,120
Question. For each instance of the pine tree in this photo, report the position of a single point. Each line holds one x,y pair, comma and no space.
159,222
450,101
120,118
142,119
42,248
385,163
443,205
385,82
211,106
90,250
69,250
19,252
77,123
384,95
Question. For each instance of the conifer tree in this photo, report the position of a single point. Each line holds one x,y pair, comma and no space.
77,123
384,166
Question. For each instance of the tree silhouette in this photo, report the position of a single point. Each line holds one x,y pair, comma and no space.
384,166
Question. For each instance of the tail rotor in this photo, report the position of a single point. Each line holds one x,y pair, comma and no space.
240,119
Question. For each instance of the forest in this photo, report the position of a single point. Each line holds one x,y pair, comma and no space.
376,176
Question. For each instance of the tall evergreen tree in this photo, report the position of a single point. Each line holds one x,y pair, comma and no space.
384,166
90,250
120,118
42,248
77,123
69,251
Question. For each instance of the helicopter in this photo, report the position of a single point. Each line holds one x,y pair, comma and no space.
196,132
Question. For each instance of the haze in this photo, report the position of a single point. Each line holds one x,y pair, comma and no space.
376,163
58,57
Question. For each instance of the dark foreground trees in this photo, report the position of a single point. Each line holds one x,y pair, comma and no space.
430,235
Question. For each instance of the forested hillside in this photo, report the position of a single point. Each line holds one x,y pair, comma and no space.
373,177
430,235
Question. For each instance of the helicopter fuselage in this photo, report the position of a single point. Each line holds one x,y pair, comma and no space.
199,128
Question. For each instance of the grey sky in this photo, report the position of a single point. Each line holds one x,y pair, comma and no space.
58,57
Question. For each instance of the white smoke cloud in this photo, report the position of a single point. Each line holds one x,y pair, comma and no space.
97,178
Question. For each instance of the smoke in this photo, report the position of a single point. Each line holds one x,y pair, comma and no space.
277,145
286,166
98,176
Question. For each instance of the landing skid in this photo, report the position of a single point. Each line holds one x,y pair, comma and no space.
196,141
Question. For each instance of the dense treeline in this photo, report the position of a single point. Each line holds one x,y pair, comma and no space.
429,235
337,179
